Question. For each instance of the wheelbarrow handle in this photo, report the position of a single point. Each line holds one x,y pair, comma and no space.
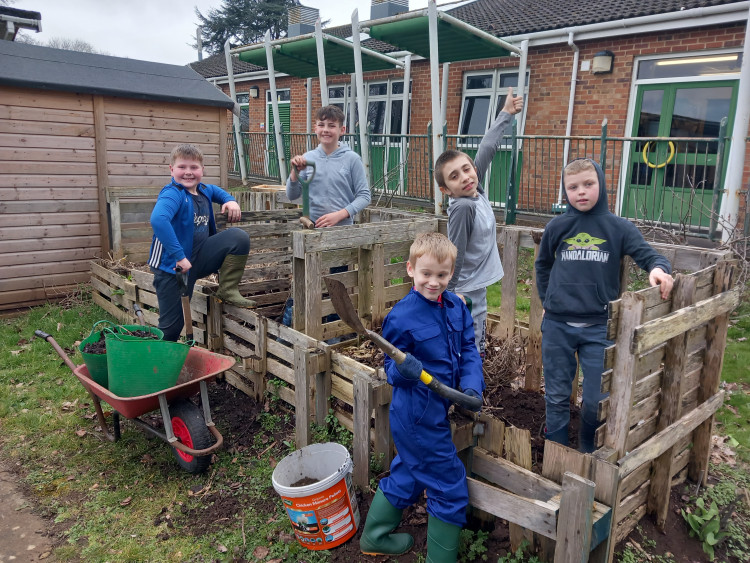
58,349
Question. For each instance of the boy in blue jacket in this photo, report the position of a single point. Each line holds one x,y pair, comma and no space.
435,329
578,274
185,237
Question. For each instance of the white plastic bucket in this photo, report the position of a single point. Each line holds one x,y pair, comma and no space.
324,514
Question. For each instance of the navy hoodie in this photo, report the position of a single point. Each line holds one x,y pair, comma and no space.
578,267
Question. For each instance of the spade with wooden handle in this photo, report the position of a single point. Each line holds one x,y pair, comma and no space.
182,281
345,309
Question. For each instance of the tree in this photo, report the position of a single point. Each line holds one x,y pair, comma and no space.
243,22
61,43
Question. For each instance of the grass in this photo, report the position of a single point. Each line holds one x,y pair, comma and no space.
733,417
110,499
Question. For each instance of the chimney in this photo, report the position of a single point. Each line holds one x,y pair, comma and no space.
380,9
301,20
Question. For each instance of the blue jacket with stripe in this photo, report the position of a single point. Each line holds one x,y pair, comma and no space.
173,221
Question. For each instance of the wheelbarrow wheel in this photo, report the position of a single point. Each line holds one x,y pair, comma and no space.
190,428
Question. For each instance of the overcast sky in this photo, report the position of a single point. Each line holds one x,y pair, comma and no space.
154,30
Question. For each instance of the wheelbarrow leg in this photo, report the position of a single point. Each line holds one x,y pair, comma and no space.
103,421
167,418
116,422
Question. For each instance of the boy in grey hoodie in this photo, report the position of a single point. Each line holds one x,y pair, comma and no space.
339,189
471,220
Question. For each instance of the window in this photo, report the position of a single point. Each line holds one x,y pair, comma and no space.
483,97
384,103
243,99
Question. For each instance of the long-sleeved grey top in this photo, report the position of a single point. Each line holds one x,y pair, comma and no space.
339,183
472,225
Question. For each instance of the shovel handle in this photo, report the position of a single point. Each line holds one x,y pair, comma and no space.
471,403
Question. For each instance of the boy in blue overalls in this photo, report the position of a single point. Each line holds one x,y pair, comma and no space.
435,329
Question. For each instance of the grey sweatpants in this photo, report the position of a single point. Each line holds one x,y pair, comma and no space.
479,315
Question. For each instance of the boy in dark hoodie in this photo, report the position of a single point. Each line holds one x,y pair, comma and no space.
578,274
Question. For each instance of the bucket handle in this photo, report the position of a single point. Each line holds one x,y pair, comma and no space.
110,323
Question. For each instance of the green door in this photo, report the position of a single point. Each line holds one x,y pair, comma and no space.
672,172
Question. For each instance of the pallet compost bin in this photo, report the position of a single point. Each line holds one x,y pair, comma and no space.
666,357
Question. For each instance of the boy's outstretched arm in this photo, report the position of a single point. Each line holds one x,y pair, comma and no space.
657,276
512,104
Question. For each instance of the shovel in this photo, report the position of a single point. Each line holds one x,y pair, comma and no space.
345,310
305,219
182,281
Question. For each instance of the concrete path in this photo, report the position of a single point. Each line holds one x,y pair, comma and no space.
21,538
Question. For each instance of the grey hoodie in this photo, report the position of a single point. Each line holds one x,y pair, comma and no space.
340,182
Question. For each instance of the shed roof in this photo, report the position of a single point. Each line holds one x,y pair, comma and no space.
32,66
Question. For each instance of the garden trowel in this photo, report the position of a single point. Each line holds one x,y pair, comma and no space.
345,309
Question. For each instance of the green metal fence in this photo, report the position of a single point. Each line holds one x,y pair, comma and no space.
674,182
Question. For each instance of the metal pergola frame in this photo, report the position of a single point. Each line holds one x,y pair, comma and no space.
438,102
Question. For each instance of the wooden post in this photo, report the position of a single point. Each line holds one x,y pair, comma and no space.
625,268
361,442
215,336
311,310
518,451
533,379
574,529
377,297
364,279
302,395
298,292
510,265
671,403
716,340
621,394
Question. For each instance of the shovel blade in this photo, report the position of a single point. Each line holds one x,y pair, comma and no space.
344,306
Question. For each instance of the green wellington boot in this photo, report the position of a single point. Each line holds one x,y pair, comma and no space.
442,541
230,275
382,519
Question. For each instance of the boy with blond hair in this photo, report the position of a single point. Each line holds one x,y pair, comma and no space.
435,329
471,219
578,274
185,239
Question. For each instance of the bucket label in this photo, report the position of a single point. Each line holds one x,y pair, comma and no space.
325,519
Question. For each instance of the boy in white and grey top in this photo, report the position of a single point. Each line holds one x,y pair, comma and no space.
471,219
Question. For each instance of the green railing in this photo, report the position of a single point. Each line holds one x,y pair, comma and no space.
673,183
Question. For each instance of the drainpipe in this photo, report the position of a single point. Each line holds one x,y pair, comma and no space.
571,104
444,94
730,205
235,115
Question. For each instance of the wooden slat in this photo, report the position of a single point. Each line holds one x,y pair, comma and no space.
143,122
537,516
670,408
45,141
663,440
512,477
655,332
574,531
631,311
504,329
716,338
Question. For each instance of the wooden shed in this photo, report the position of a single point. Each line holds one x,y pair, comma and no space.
74,126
